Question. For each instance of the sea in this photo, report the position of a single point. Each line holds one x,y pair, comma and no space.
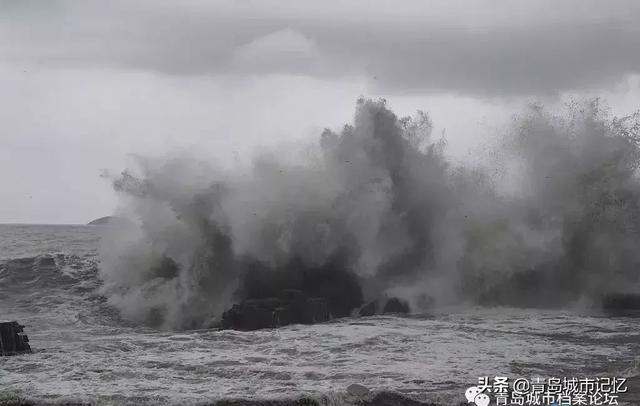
84,352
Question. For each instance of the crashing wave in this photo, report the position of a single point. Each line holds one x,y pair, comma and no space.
378,209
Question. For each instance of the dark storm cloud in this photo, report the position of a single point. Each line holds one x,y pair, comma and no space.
544,60
486,51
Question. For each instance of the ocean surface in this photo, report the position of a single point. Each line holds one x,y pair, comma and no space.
84,352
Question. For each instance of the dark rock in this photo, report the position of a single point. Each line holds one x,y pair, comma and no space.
12,339
291,306
282,316
292,295
370,309
395,305
334,281
621,304
357,390
316,310
46,261
248,317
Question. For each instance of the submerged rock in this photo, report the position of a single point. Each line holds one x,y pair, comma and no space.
291,307
395,305
13,341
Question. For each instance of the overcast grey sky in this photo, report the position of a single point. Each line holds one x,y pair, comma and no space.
84,83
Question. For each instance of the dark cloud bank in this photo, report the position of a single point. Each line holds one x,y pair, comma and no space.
377,209
570,46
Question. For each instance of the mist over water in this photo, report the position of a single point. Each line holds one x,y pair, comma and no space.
377,209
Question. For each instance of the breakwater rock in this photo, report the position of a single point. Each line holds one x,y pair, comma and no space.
13,341
290,307
621,304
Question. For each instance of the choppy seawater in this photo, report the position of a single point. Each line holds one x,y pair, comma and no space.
85,353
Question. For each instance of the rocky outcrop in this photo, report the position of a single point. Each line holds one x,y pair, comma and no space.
355,389
395,305
333,281
369,309
13,341
621,304
290,307
293,306
392,305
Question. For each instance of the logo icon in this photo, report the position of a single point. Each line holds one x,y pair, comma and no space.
474,395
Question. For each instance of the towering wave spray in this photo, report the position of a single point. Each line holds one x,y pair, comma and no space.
377,209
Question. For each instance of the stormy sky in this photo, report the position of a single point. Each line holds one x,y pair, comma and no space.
86,84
